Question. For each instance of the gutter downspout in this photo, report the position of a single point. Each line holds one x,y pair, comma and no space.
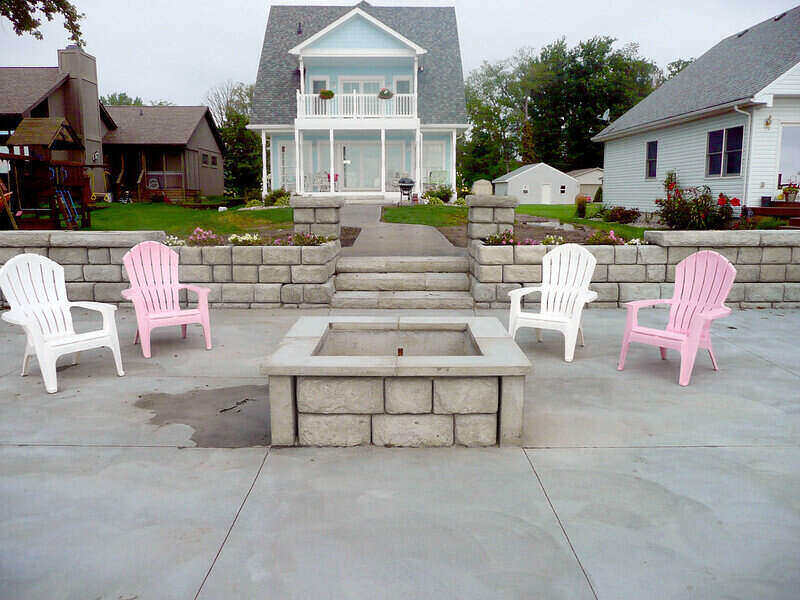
746,166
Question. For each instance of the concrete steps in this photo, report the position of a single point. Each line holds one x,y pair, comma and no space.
403,282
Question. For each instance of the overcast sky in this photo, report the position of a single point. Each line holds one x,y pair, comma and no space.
177,49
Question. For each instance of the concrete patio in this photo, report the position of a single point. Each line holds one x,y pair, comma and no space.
161,484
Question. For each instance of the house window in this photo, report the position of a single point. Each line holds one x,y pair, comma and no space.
205,159
213,161
318,84
402,85
652,160
563,190
724,151
525,189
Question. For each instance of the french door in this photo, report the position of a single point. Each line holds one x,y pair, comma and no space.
359,166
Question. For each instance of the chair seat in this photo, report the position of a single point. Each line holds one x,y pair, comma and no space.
673,336
543,317
171,314
72,338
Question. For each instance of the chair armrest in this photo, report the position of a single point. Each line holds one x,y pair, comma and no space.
15,318
130,293
590,296
716,313
637,304
520,292
107,310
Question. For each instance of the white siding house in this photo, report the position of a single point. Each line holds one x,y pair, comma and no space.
538,183
729,121
590,180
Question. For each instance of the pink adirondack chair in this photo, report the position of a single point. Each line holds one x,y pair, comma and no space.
702,283
153,272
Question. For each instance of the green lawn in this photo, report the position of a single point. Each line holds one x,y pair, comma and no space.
566,214
180,221
423,214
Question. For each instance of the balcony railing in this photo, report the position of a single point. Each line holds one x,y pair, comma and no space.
356,106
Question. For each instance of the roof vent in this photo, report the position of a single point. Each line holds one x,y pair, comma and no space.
741,33
779,17
299,28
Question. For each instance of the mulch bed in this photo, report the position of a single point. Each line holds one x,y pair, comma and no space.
349,235
457,235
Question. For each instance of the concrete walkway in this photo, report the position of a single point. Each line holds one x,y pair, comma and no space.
629,486
393,239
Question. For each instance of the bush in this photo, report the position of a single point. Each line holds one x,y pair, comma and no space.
246,239
301,239
598,197
605,238
580,206
201,237
695,208
442,192
620,214
279,197
770,223
500,239
553,240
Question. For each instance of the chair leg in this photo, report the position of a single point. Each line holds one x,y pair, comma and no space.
75,358
136,338
663,352
114,345
570,338
144,338
580,337
539,335
26,359
183,331
713,358
688,355
207,331
626,341
47,365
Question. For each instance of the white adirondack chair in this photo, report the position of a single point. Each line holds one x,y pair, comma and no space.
34,287
566,273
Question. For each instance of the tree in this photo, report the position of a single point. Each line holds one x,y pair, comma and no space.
121,99
678,65
230,105
26,16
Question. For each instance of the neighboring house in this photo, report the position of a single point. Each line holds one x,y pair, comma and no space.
538,183
730,120
589,180
355,52
171,150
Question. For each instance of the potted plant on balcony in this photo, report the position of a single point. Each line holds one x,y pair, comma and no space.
385,94
325,94
790,192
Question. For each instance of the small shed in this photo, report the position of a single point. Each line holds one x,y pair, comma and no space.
538,183
590,180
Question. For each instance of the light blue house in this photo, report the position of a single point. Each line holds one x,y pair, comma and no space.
355,52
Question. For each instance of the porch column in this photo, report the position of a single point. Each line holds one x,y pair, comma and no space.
453,168
383,161
302,77
333,163
263,162
301,182
296,161
418,166
414,91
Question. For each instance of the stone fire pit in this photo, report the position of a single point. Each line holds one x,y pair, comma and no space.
396,381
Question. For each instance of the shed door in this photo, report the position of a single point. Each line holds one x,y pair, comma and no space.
546,188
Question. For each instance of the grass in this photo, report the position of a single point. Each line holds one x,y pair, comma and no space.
180,221
566,214
423,214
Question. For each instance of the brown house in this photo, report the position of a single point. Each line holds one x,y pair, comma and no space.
173,151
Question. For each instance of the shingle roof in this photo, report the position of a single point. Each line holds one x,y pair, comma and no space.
21,87
56,134
172,125
735,69
441,82
579,172
515,172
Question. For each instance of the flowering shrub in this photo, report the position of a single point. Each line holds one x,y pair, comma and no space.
693,208
528,242
620,214
279,197
500,239
201,237
552,240
434,201
246,239
442,192
604,238
301,239
174,240
636,242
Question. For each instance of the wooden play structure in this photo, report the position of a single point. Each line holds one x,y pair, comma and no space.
41,191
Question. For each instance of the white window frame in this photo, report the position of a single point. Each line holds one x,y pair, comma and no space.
426,144
324,78
647,160
407,78
783,125
562,189
724,162
526,189
360,79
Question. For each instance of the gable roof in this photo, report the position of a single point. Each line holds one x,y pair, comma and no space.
579,172
524,169
734,70
434,28
22,88
153,125
56,134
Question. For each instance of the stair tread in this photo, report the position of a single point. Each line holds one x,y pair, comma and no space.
402,299
403,264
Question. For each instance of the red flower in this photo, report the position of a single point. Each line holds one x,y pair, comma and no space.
722,201
735,202
671,186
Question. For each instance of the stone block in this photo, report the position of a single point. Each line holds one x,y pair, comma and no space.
703,238
796,256
109,292
246,255
237,292
267,292
412,430
190,255
214,294
245,273
482,292
522,273
333,430
763,292
676,254
529,255
731,253
606,292
22,238
775,255
102,273
281,410
340,395
222,273
626,272
318,202
494,255
465,395
502,289
480,214
312,273
779,237
217,255
326,215
638,291
656,273
487,273
748,273
318,293
80,292
302,227
320,255
481,230
625,255
195,273
667,290
736,294
35,250
504,215
73,273
600,273
99,256
69,256
749,255
281,255
476,430
603,254
406,395
291,293
7,254
117,254
651,255
512,399
326,229
792,272
791,292
773,272
274,274
493,201
303,215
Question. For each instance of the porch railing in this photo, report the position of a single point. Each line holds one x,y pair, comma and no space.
163,180
356,106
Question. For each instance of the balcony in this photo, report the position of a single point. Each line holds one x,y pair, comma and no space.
356,106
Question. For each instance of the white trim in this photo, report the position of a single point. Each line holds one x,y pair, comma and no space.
647,159
434,142
431,127
274,128
264,162
532,167
453,181
383,161
369,123
358,52
343,19
782,125
407,78
313,78
724,152
360,79
765,95
302,76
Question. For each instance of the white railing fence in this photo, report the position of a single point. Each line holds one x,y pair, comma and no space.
356,106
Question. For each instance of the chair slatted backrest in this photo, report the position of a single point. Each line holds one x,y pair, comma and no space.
34,286
566,273
703,281
153,270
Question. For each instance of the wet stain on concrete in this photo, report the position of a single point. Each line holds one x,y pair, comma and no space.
231,417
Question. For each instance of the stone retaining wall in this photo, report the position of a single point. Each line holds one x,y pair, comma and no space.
317,215
238,276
